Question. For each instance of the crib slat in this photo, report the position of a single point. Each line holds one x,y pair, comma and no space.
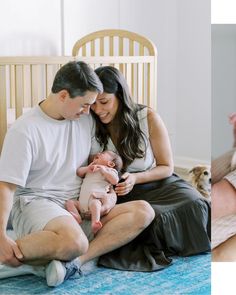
27,86
36,84
101,46
12,86
148,84
93,48
131,47
3,105
19,90
141,52
121,46
152,102
131,53
111,45
50,73
84,50
140,83
141,49
129,76
121,51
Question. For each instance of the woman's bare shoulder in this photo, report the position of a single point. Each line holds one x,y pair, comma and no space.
153,116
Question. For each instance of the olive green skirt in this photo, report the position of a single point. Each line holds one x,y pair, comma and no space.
181,227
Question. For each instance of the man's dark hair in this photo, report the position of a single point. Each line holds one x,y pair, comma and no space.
77,78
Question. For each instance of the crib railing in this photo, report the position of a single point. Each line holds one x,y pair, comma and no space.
24,81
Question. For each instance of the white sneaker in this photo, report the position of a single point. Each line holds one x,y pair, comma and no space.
57,272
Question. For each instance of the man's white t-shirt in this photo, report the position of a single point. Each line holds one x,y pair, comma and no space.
40,155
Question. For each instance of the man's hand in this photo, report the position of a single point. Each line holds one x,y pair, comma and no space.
10,254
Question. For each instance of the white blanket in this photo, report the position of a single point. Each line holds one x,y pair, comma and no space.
222,229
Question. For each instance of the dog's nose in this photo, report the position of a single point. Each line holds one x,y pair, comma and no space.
209,180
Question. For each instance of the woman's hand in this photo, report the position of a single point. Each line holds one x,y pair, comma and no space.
126,186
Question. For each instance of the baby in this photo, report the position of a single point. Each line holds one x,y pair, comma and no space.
99,176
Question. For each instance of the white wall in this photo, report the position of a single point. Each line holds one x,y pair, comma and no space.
193,112
223,86
84,17
30,27
179,28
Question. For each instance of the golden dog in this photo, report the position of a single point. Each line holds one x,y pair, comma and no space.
200,178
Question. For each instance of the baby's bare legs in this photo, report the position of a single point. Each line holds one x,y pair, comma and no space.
95,206
100,205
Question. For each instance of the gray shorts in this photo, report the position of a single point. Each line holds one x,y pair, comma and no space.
33,216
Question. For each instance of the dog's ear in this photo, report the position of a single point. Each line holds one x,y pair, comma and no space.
195,170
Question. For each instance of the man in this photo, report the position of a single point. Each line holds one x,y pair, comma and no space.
41,153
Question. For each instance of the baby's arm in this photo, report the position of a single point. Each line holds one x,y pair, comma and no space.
81,171
110,174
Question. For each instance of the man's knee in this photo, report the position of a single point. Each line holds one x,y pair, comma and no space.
143,212
72,246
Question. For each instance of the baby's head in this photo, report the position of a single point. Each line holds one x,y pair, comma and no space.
109,159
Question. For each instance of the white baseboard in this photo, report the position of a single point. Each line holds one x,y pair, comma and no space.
188,163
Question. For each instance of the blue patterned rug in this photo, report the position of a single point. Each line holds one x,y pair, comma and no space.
189,275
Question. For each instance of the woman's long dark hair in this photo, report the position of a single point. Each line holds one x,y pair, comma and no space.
130,136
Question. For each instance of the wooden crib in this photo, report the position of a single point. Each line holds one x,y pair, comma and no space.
24,81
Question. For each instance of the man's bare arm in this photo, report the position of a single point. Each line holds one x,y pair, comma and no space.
9,251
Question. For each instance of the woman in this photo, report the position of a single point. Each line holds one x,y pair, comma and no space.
137,133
